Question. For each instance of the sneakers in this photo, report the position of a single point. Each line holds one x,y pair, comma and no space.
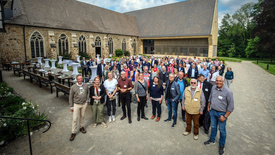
221,150
196,137
104,125
209,142
82,130
114,118
123,117
173,125
72,137
167,120
185,133
110,119
153,117
158,118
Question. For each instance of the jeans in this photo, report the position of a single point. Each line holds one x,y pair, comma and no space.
172,105
227,83
111,104
215,115
156,105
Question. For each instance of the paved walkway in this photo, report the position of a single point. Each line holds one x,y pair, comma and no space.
250,128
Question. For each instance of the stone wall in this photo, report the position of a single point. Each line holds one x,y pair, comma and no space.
12,42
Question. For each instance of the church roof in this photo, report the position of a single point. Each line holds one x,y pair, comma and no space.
187,18
72,15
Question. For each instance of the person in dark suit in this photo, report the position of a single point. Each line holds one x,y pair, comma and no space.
180,68
154,61
100,69
193,72
206,89
89,64
84,67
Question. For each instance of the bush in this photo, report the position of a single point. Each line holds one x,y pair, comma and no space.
67,56
126,53
118,52
12,105
83,54
230,55
239,56
219,54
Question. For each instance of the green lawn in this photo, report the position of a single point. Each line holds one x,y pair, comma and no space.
263,65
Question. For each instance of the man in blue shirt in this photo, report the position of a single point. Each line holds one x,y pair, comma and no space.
183,84
147,64
205,72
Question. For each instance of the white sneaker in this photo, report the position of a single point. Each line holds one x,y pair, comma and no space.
185,133
196,137
110,118
114,118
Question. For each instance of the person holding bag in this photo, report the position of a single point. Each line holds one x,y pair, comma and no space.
97,95
111,87
141,91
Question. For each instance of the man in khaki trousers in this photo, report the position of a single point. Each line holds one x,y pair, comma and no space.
78,99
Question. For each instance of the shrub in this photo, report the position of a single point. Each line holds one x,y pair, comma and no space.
67,56
230,55
118,52
239,56
126,53
219,54
83,54
12,105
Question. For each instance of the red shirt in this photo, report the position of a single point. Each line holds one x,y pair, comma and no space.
125,84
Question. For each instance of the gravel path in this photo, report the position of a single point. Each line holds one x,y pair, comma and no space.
250,128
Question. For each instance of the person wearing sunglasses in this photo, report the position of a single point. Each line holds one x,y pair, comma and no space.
193,102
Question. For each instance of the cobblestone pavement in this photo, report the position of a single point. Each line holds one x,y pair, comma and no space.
250,128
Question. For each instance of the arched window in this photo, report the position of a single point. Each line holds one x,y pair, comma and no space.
123,45
98,42
82,44
63,44
37,46
110,44
135,46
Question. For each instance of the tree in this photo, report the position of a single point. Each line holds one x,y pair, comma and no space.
265,27
252,47
236,30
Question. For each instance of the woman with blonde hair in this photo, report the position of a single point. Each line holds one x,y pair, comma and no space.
111,87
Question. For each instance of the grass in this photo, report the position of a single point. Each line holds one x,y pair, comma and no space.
263,65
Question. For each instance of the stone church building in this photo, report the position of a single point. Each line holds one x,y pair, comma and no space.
49,28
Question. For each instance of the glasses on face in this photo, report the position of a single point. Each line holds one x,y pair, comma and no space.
193,82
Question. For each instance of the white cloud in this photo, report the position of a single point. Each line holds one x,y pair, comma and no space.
128,5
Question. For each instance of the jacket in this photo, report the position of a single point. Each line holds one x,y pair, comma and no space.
164,77
102,94
206,89
175,90
192,105
184,80
189,73
99,70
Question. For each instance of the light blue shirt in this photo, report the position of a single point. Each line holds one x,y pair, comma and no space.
205,73
193,72
181,83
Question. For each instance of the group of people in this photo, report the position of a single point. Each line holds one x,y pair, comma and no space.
205,101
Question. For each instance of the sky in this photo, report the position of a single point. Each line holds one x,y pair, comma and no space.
225,6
